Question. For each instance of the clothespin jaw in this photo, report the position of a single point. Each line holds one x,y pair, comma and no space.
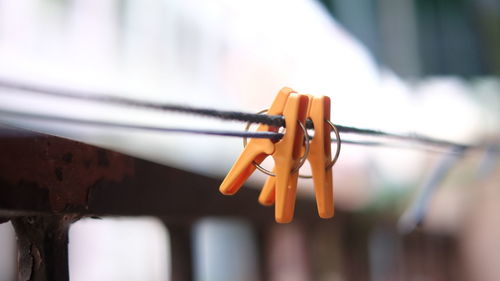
267,195
256,150
319,158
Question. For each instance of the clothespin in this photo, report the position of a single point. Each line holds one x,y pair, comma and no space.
319,157
285,152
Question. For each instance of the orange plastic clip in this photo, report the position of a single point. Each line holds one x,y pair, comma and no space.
256,150
319,158
285,152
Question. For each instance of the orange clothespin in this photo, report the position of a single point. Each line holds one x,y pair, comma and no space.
285,152
319,158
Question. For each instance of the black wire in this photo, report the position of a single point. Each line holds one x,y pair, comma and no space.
260,135
408,137
273,120
35,116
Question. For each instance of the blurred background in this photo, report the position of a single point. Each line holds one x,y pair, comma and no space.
429,67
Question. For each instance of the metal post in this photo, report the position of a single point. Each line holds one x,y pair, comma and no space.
43,247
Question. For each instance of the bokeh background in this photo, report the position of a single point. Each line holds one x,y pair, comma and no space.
428,67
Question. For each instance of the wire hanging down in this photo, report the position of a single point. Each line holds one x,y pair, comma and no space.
273,120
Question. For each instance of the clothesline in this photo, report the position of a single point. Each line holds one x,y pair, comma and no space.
262,135
273,120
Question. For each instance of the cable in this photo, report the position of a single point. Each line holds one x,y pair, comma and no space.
414,215
35,116
408,137
273,120
261,135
